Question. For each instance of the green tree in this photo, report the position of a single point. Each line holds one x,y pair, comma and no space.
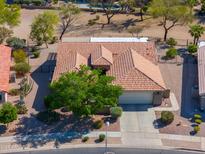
68,15
192,48
9,14
196,32
171,53
191,4
84,92
171,42
5,33
43,27
19,56
8,113
108,7
143,7
171,13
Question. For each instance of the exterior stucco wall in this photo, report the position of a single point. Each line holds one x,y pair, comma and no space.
158,97
202,102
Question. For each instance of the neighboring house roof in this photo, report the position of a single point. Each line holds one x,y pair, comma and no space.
5,60
201,70
132,64
101,56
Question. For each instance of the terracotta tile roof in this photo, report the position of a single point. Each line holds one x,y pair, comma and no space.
133,72
128,62
5,60
71,62
101,56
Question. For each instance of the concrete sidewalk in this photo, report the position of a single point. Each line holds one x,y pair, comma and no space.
139,139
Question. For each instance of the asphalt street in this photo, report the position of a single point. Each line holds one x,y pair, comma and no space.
110,151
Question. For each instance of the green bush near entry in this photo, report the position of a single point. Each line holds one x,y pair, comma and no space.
116,112
167,117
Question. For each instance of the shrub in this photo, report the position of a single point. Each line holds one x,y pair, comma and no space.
85,139
55,1
54,40
21,109
34,49
16,43
27,2
48,116
197,116
101,137
38,2
91,22
19,56
22,68
167,117
171,42
192,48
198,121
8,113
197,128
171,53
14,92
98,124
116,112
36,54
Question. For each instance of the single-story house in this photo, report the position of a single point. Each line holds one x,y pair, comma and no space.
133,64
201,74
5,60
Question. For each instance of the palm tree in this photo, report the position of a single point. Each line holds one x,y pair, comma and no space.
196,32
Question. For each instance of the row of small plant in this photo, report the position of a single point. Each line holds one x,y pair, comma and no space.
198,121
101,138
172,51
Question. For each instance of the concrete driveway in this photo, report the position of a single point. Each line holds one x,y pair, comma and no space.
137,127
138,120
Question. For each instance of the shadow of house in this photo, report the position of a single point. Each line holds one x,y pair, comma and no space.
134,108
189,105
42,77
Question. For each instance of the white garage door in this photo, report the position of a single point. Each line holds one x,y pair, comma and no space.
136,98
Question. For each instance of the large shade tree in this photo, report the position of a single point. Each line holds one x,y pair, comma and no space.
196,32
171,13
68,15
9,16
84,92
43,27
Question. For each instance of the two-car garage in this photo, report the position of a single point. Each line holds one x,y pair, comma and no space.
136,97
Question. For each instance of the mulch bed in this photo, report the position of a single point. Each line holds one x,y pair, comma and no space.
180,126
